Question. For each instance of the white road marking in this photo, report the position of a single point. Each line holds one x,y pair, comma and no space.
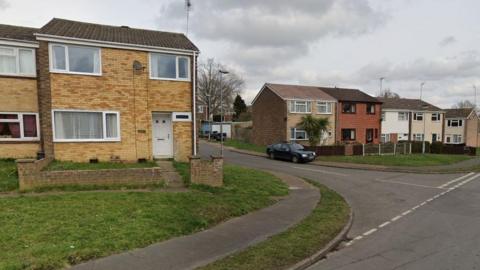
419,205
455,180
321,171
403,183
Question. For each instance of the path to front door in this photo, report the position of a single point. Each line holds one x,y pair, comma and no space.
162,135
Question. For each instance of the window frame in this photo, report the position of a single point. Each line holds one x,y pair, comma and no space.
458,121
415,116
354,134
67,60
372,105
327,105
438,117
353,105
177,78
405,114
422,137
459,138
17,62
22,131
104,125
292,104
293,135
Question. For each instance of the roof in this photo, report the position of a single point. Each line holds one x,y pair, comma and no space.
17,32
407,104
116,34
458,113
346,94
286,91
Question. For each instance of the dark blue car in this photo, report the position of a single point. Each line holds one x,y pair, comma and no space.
290,151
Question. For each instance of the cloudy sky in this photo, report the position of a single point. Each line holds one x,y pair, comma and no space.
344,43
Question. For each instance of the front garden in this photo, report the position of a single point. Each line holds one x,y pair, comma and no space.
54,230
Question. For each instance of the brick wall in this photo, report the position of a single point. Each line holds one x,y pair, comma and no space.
269,114
31,176
360,121
121,89
206,172
471,131
293,119
19,150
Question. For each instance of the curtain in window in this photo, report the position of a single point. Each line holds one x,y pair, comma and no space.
27,61
10,130
78,125
29,125
7,61
111,125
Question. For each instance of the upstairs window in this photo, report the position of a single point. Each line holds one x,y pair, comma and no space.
17,61
75,59
455,123
324,107
403,116
297,106
435,117
349,107
418,116
18,126
169,67
370,108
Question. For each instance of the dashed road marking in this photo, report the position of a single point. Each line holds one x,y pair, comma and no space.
475,176
403,183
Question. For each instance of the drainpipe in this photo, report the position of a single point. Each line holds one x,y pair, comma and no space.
194,101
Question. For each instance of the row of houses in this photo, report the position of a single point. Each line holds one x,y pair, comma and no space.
81,91
356,117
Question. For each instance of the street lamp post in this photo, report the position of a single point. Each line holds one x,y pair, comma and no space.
208,117
222,72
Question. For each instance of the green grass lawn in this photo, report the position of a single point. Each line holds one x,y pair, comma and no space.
53,231
66,165
414,160
8,175
303,240
245,146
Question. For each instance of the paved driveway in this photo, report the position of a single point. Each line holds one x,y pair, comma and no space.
402,221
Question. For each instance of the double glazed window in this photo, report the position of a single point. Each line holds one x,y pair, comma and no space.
348,134
298,134
370,108
435,117
18,126
17,61
418,137
349,107
455,123
418,116
403,116
169,67
86,126
297,106
324,107
75,59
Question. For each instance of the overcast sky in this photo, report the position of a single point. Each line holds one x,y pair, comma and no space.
344,43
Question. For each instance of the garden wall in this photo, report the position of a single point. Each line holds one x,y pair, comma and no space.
206,172
31,175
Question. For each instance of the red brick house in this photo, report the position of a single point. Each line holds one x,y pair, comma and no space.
358,116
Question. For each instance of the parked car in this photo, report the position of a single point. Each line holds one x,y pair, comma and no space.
290,151
218,136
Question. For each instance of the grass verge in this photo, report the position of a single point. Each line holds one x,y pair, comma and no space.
53,231
245,146
297,243
66,165
8,175
415,160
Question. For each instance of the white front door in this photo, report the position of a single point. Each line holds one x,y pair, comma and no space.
162,135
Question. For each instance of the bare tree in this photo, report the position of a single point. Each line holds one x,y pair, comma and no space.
463,104
211,84
387,93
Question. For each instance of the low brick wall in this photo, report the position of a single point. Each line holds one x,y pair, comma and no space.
206,172
31,176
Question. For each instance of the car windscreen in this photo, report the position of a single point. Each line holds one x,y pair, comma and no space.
296,146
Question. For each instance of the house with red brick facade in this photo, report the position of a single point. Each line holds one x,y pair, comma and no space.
80,91
277,110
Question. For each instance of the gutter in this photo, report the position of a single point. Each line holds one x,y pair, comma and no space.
194,101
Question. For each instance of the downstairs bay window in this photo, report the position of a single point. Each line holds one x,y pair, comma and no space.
86,126
19,127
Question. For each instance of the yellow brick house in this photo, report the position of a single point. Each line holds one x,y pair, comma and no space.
114,92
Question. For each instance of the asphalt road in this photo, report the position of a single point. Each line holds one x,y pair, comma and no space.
401,220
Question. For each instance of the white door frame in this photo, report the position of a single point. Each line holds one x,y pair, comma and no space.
168,153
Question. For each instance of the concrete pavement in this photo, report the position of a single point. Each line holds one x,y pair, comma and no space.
440,234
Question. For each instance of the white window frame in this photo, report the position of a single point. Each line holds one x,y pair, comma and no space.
458,137
458,121
420,135
293,106
17,62
438,116
67,60
415,116
177,78
328,107
175,119
104,126
20,121
405,116
385,138
293,135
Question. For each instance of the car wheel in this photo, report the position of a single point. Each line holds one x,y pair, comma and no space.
295,159
271,155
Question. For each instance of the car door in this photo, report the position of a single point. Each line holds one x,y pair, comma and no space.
284,152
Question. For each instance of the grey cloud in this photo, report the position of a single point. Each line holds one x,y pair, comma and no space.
447,41
4,4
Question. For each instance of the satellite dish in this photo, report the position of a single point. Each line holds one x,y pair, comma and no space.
137,65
